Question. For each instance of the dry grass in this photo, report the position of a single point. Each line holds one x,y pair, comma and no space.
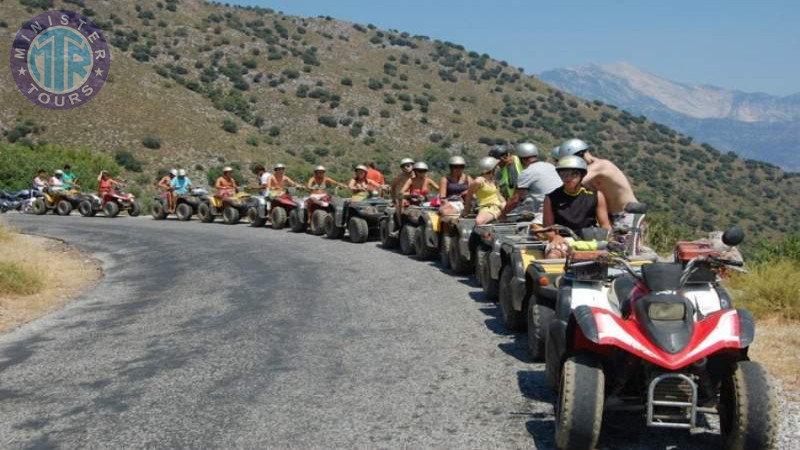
776,346
769,289
27,290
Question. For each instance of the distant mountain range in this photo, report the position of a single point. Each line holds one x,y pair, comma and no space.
754,125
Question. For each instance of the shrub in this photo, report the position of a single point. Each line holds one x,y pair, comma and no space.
363,111
385,113
346,81
126,159
328,121
374,84
770,288
230,126
151,142
18,280
252,141
274,131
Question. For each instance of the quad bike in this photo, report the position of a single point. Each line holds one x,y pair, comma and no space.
361,219
527,281
405,230
111,203
484,239
231,208
664,341
186,205
273,210
14,200
62,202
311,213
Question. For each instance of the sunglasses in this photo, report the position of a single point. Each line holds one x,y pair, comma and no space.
569,173
406,165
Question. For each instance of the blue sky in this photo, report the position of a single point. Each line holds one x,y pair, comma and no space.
749,46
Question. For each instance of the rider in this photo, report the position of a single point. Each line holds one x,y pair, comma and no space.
572,205
56,182
606,177
263,179
361,185
226,185
105,183
406,166
277,181
180,185
490,201
164,183
453,187
510,168
70,180
419,184
40,181
374,174
318,183
538,179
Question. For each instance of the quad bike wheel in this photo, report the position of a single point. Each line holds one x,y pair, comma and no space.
255,219
444,251
491,287
538,318
295,221
158,210
458,263
318,222
358,229
184,212
39,207
512,319
407,236
230,215
748,408
579,407
135,209
111,209
331,230
204,213
481,259
86,209
387,240
278,217
63,207
423,252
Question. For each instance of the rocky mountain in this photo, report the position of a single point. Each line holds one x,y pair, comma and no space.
200,85
754,125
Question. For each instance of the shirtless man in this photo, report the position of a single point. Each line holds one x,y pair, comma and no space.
165,184
278,181
399,181
606,177
226,186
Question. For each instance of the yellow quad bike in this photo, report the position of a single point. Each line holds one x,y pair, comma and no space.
61,202
231,208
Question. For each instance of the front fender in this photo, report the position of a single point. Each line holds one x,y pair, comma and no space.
519,288
464,235
430,221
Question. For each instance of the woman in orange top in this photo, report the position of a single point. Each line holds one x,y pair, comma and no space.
106,183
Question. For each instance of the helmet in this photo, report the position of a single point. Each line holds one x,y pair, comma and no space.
497,151
555,151
571,147
172,172
420,166
361,167
227,169
278,166
405,161
181,173
320,168
59,172
572,162
487,164
527,150
457,161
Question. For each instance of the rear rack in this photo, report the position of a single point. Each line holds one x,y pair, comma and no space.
672,401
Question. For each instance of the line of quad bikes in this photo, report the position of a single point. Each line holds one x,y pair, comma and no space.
619,330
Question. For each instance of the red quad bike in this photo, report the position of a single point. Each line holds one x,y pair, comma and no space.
275,211
111,204
663,341
311,213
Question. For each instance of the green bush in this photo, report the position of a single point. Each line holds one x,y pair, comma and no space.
126,159
19,164
151,142
230,126
346,81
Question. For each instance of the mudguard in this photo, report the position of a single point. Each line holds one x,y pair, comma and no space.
465,227
430,220
302,212
340,212
519,290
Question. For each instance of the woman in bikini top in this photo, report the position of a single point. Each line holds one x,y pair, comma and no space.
418,186
278,180
319,182
360,185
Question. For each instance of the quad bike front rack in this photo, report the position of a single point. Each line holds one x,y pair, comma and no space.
672,401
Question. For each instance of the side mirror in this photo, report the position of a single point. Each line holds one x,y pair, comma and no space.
733,236
635,208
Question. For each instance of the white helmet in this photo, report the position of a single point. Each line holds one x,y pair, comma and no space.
571,147
527,150
487,164
181,173
227,169
405,161
59,172
572,162
278,166
173,172
320,168
420,166
361,167
457,161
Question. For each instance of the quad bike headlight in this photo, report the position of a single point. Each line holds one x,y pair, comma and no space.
666,311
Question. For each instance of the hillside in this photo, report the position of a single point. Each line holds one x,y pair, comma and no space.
754,125
320,90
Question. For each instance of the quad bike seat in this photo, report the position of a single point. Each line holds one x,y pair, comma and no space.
588,255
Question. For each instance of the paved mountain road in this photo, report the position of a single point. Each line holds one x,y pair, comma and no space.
214,336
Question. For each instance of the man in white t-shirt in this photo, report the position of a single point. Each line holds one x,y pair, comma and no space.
55,182
537,179
263,179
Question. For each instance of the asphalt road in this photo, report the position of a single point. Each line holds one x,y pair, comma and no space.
215,336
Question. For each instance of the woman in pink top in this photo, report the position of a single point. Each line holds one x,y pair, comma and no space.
106,183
